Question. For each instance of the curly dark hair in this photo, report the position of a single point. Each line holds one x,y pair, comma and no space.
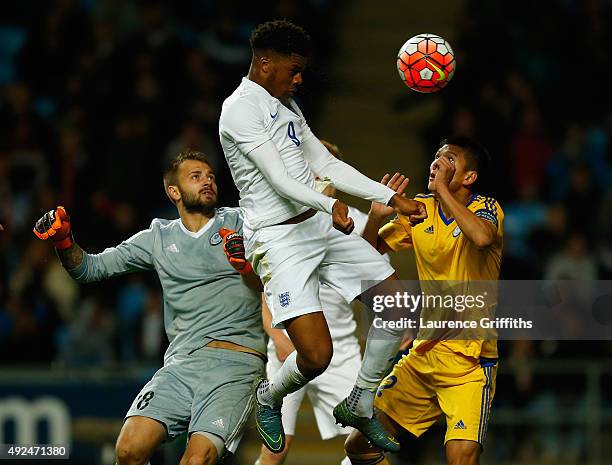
282,37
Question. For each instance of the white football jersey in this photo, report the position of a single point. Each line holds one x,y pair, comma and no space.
249,118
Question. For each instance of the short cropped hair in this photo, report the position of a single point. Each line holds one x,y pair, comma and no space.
282,37
477,156
171,171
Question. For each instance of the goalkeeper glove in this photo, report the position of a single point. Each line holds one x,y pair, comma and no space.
233,246
55,224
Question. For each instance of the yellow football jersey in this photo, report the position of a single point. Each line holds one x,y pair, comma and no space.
443,253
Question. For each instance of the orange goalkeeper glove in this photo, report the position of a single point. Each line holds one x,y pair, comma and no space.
55,224
233,246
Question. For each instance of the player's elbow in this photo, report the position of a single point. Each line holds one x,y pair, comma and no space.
78,277
285,193
85,276
280,183
484,241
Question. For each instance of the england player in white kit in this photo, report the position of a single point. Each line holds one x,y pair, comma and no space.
289,236
328,389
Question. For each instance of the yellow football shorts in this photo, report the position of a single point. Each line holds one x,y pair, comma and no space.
422,387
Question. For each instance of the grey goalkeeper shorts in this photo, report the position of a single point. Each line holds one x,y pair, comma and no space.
209,391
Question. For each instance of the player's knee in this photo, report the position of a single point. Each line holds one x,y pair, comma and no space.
207,459
463,453
463,460
316,361
128,453
206,456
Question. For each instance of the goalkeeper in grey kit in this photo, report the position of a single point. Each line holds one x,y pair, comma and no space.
212,317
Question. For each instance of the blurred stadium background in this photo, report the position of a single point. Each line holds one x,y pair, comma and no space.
97,94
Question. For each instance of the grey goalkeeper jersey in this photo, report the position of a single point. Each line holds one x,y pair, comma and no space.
204,297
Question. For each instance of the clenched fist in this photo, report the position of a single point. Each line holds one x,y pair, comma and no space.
55,225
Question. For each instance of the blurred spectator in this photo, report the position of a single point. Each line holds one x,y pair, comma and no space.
5,191
531,150
544,240
53,46
119,16
225,41
571,153
32,314
192,137
153,344
22,128
522,216
89,339
581,200
574,262
73,161
126,161
130,308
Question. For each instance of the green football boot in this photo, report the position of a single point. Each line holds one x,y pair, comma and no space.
269,424
371,428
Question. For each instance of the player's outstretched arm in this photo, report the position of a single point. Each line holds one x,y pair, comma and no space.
131,255
344,176
269,162
55,227
349,180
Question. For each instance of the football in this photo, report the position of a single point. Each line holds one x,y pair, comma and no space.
426,63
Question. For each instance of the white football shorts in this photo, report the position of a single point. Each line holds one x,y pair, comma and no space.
292,260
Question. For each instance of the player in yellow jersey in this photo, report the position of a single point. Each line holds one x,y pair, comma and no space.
461,240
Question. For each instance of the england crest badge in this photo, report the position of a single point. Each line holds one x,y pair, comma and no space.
284,298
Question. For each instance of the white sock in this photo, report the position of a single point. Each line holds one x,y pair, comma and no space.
286,380
361,402
381,349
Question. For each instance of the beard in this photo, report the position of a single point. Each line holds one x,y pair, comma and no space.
194,204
